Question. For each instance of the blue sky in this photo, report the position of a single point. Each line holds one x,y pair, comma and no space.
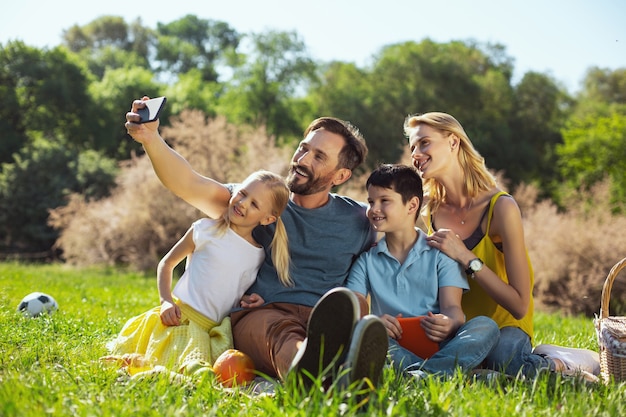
560,37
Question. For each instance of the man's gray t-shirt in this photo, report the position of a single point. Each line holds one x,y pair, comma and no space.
323,243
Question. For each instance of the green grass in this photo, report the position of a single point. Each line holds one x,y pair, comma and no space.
49,365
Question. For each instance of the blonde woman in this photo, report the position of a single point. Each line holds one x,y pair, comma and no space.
474,222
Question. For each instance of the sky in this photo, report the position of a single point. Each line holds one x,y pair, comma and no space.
561,38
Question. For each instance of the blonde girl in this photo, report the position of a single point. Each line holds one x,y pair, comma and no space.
191,327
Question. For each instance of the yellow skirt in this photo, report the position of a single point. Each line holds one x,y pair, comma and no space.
196,340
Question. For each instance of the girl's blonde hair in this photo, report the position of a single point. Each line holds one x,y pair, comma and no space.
477,176
279,245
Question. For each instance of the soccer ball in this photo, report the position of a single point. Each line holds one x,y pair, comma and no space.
37,303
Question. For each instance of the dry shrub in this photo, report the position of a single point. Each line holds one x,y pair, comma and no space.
224,152
573,251
141,219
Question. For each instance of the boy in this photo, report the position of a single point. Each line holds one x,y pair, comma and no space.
405,278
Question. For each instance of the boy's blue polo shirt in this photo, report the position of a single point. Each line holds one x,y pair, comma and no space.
410,289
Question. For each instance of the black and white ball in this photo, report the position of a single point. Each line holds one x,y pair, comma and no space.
37,303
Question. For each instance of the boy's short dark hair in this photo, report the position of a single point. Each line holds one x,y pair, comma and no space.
403,179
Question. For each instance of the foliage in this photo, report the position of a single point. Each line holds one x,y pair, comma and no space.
28,190
192,93
605,86
594,148
50,365
110,42
328,97
95,174
539,112
46,92
114,94
266,82
191,43
460,78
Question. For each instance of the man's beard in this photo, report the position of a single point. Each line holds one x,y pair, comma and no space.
310,186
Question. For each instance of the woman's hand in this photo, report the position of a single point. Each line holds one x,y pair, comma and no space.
251,301
451,244
170,313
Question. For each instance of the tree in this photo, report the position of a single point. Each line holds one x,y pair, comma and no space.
264,87
191,92
46,92
12,129
110,31
458,78
114,94
605,85
539,113
192,43
346,91
594,147
39,178
109,42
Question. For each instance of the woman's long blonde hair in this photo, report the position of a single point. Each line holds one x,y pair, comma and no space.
477,176
280,243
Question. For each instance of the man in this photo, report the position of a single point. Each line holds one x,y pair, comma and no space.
326,233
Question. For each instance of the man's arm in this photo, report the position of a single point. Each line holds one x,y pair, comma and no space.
206,194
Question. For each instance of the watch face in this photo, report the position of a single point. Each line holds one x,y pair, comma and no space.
475,265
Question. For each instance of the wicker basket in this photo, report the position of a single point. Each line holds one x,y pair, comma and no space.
611,333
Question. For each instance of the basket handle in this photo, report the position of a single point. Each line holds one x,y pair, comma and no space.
608,284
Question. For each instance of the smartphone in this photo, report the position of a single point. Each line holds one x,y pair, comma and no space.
151,112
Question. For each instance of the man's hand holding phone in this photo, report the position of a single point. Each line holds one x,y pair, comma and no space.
142,122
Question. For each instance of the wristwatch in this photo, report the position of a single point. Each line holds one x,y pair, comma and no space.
474,266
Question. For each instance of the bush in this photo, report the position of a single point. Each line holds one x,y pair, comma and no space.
41,175
141,219
573,251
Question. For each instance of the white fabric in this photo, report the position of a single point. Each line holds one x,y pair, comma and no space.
218,272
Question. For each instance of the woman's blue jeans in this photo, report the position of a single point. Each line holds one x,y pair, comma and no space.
513,354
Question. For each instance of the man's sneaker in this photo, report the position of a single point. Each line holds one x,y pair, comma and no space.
367,354
573,359
328,335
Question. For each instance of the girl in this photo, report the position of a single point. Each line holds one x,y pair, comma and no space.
474,222
192,326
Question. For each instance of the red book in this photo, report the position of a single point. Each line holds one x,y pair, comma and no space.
414,337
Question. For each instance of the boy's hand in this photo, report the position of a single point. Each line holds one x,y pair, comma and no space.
392,325
437,326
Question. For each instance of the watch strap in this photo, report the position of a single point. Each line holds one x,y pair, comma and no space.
469,271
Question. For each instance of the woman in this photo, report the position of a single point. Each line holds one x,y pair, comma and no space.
474,222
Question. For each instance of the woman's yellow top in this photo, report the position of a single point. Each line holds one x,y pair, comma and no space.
476,302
